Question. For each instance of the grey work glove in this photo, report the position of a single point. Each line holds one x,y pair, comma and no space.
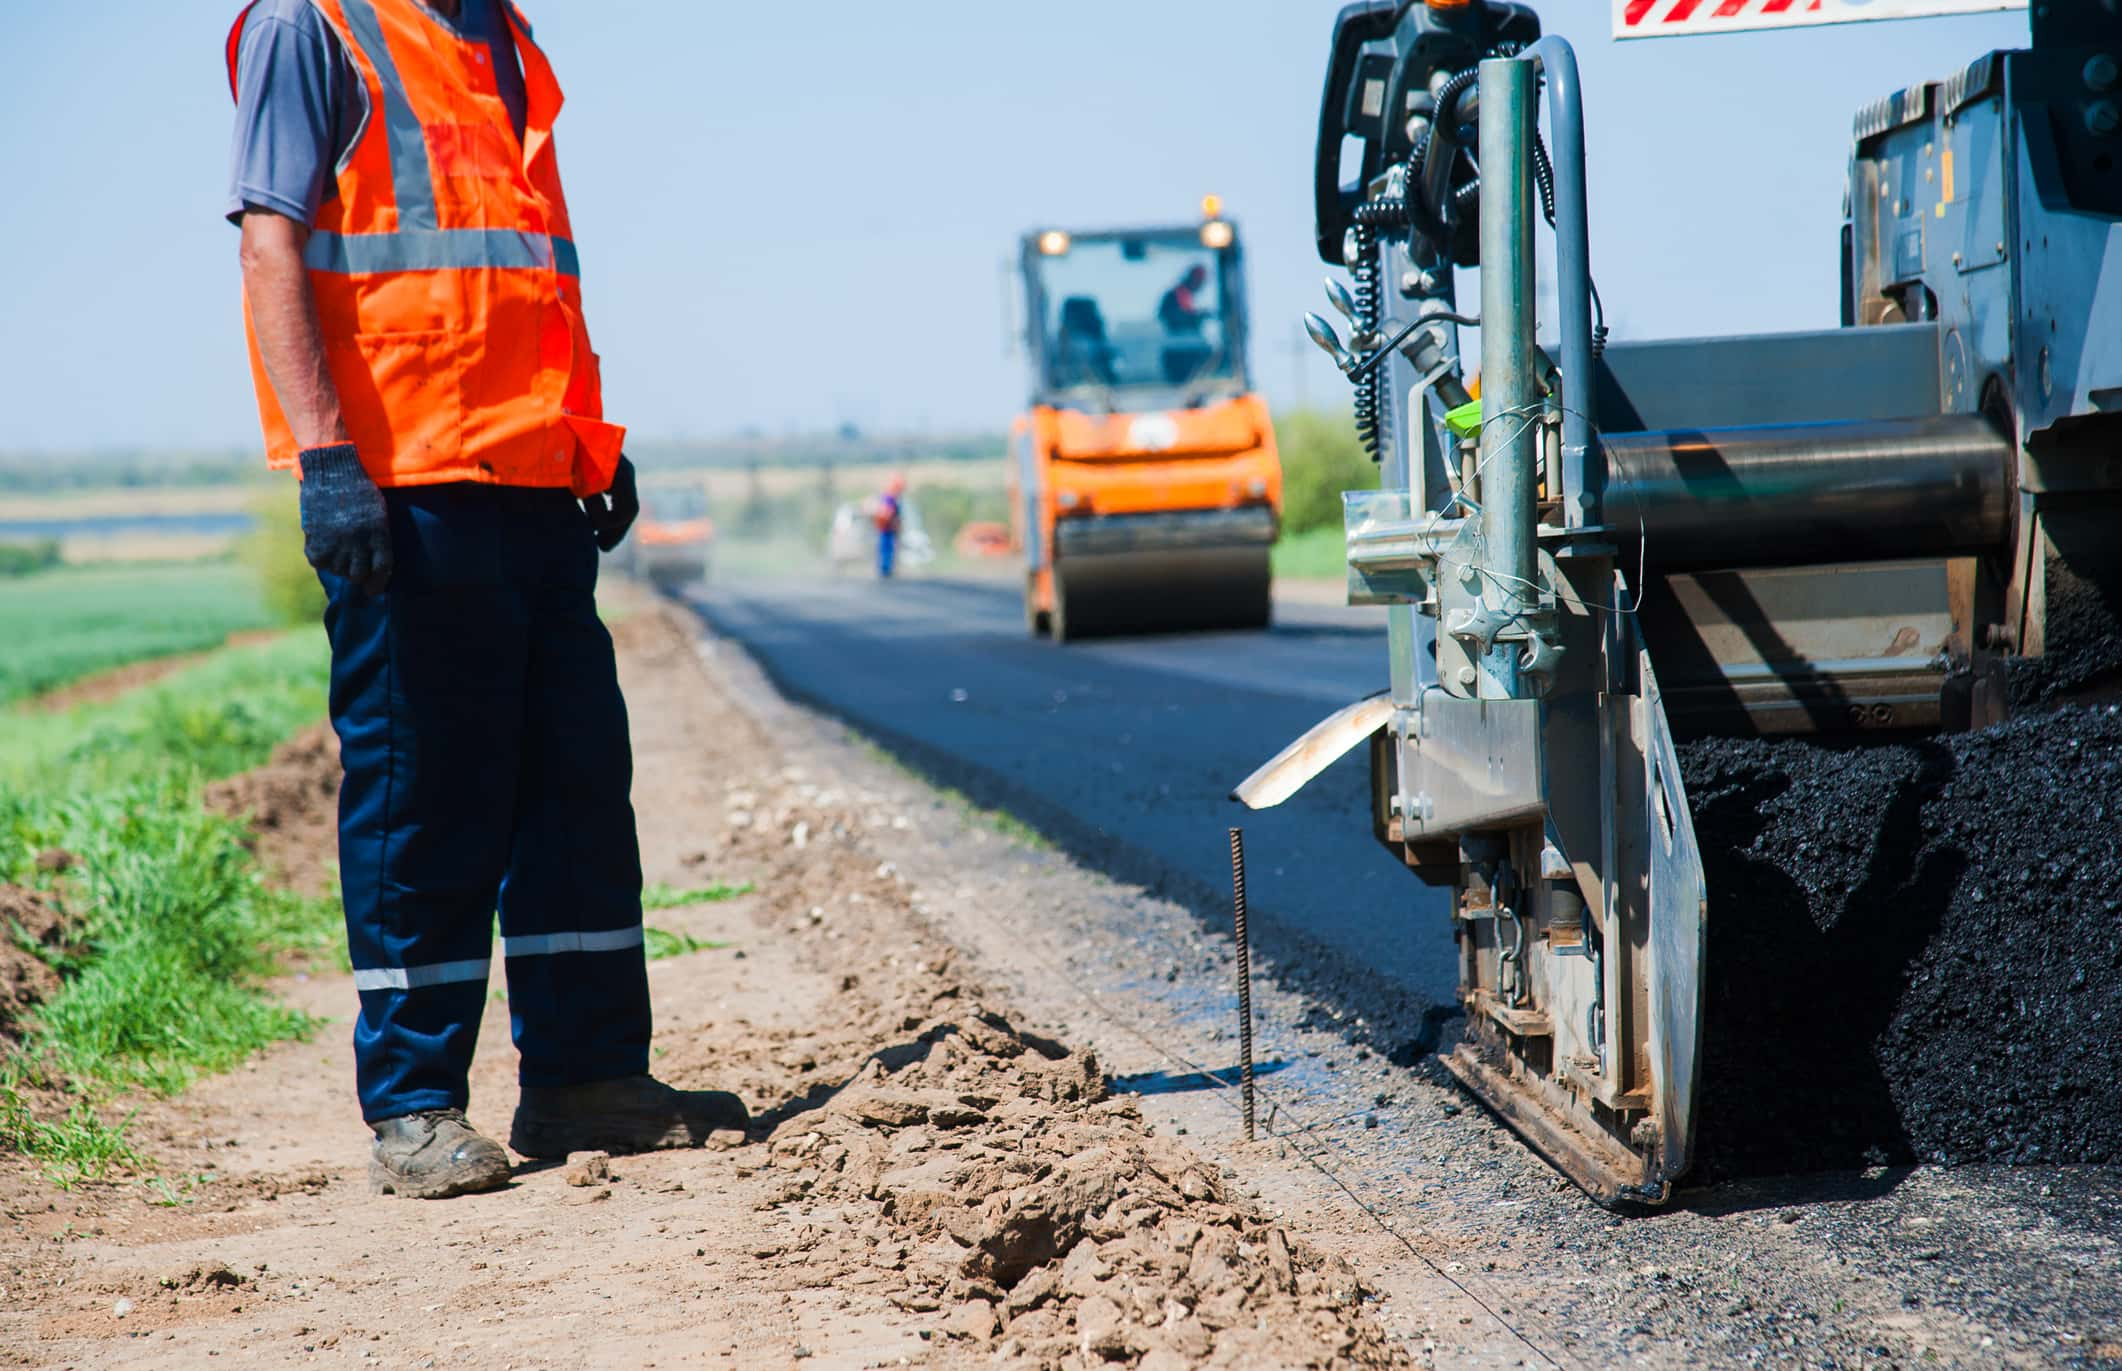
345,527
612,513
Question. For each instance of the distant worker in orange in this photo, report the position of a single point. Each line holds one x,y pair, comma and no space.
416,335
889,513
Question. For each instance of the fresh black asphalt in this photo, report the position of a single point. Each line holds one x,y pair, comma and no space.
1123,751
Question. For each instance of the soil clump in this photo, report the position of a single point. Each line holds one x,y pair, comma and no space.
34,934
1915,949
291,805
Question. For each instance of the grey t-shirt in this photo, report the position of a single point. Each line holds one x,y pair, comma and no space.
300,102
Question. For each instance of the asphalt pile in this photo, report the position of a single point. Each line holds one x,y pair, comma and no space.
1915,949
2082,649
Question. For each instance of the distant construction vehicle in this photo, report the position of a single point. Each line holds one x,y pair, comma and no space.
1904,524
674,540
1145,488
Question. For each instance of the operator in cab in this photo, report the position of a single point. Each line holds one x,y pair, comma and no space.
1180,310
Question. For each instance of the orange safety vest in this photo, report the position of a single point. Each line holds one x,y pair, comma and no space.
445,272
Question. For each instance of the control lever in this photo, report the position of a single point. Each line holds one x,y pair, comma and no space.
1339,297
1329,342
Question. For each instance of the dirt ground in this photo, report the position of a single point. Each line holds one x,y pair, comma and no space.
994,1128
927,1182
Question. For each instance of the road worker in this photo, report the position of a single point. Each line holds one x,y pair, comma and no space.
888,512
416,336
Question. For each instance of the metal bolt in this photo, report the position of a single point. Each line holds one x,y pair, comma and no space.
2103,118
2101,72
2002,250
1956,259
1467,677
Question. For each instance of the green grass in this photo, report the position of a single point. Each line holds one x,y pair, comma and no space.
662,942
70,622
655,897
178,927
1313,555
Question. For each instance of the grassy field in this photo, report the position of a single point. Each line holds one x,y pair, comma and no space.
66,623
172,926
1316,554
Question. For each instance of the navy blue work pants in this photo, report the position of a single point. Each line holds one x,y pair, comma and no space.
487,766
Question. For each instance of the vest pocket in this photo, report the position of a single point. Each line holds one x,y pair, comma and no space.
404,408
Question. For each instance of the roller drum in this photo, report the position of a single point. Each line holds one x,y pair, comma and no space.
1193,569
1804,494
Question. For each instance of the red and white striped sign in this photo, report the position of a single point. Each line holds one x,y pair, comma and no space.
1675,18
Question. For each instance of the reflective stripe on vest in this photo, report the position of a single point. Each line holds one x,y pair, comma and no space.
410,176
367,254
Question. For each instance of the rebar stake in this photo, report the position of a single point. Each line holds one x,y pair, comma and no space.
1245,977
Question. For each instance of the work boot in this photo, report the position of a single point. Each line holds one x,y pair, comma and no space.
630,1114
433,1155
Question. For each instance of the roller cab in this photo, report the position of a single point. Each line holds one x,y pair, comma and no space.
1145,487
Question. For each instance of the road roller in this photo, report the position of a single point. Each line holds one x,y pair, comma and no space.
1145,488
1907,523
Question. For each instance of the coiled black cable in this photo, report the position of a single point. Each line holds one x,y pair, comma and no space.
1410,210
1371,421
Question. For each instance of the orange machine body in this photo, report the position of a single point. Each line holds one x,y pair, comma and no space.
1220,456
445,271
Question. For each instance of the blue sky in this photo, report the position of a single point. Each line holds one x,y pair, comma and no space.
787,226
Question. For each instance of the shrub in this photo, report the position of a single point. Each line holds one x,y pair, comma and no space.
23,559
1320,459
273,552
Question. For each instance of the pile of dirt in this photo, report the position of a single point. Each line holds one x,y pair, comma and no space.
33,934
291,804
977,1172
1915,949
1043,1222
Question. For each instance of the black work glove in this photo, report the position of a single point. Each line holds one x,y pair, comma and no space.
612,513
345,528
